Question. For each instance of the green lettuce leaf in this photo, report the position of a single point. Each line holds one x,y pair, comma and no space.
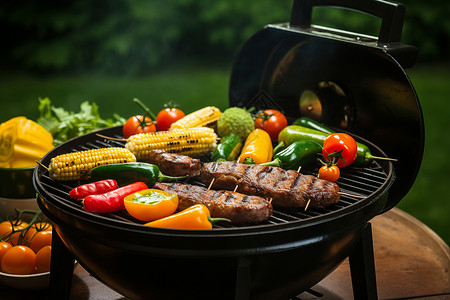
64,125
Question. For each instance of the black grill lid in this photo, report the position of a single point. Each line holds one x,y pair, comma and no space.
348,81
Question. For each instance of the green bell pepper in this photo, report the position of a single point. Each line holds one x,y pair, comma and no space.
296,155
126,173
228,149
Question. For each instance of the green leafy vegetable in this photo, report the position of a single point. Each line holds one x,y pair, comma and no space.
64,125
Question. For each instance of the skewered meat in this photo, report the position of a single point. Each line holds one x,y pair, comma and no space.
175,164
286,188
237,207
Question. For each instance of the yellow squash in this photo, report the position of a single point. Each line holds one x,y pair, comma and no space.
23,142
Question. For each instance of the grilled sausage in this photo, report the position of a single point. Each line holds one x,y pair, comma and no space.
286,188
175,164
237,207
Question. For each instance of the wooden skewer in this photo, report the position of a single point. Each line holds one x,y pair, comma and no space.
39,163
350,195
307,204
210,185
235,188
110,138
299,168
270,200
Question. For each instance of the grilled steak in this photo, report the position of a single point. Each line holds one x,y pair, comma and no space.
286,188
237,207
175,164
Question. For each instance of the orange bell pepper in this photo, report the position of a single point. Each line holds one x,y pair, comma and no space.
195,217
257,148
151,204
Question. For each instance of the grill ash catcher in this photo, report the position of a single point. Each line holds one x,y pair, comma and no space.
349,81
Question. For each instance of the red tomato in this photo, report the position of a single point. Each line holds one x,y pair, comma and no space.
330,173
341,146
43,258
19,260
272,121
167,116
138,124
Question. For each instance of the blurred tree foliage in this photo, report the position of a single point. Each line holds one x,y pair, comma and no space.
135,37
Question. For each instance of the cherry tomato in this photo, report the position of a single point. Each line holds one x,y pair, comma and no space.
272,121
4,246
39,239
138,124
6,228
151,204
167,116
342,146
19,260
43,258
330,173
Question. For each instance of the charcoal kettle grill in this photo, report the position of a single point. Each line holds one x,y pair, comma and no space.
351,82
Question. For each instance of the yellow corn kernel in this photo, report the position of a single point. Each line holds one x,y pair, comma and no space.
78,165
205,117
192,142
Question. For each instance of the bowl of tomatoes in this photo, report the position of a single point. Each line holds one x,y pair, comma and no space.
25,250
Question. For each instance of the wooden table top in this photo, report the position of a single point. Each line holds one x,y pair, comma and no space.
411,261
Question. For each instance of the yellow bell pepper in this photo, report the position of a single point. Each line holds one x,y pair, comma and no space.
23,142
257,148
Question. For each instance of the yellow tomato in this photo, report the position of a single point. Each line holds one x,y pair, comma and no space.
39,239
19,260
43,258
6,228
151,204
4,246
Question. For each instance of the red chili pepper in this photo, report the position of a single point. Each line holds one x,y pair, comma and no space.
93,188
113,200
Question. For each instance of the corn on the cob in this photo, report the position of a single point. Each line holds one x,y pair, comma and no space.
78,165
205,117
190,141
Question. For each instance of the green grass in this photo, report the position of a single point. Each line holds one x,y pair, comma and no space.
189,88
194,87
428,199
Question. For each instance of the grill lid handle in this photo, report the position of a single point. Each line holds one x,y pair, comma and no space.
391,14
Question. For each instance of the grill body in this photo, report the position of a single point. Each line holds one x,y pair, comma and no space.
290,252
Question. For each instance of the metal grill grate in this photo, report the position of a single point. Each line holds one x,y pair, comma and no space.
360,182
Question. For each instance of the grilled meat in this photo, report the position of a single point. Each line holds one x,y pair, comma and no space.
237,207
286,188
175,164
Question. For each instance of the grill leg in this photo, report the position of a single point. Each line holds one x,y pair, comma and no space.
243,280
61,269
362,267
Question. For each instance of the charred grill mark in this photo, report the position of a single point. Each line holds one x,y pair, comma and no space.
233,167
246,170
296,181
185,188
215,195
245,199
229,197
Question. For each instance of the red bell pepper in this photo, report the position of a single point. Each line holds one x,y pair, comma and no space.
93,188
113,200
